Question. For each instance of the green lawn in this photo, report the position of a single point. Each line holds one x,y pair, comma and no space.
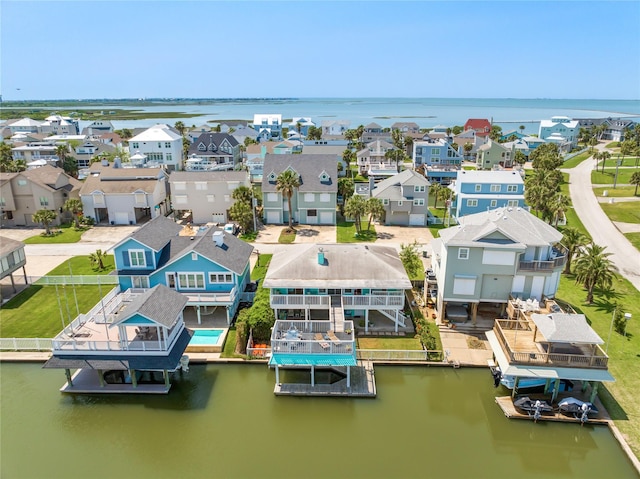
346,232
287,236
68,234
470,168
35,312
631,161
627,212
612,145
229,350
634,238
623,352
398,343
260,269
576,160
435,230
606,178
618,192
80,265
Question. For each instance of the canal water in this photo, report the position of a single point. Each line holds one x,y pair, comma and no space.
223,421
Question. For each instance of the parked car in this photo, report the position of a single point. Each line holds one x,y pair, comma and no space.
231,228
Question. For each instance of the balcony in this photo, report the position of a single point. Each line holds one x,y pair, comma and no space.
312,337
557,259
316,301
523,345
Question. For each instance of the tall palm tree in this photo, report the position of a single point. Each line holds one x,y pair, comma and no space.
180,126
573,240
604,156
559,204
286,183
635,180
522,128
74,205
355,208
349,156
375,210
594,269
435,190
46,217
61,152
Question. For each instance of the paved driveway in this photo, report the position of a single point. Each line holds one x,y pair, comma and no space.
403,234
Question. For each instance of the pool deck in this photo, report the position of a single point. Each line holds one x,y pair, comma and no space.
363,384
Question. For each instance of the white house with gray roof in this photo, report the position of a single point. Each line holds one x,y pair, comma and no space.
207,195
314,202
161,146
405,197
496,254
337,282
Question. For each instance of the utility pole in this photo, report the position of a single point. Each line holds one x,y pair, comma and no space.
615,178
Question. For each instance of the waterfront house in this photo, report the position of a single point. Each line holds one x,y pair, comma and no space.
334,282
561,130
371,160
213,151
24,193
405,197
268,126
314,201
406,127
24,125
481,126
208,266
124,196
206,195
12,258
493,155
117,345
334,127
300,125
161,145
493,255
59,125
616,129
98,127
538,340
437,158
477,191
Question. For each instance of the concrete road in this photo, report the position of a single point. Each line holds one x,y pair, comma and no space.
598,224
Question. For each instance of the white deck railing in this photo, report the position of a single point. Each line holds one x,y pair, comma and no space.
280,300
25,344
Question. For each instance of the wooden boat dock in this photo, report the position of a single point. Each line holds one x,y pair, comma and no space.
363,384
510,411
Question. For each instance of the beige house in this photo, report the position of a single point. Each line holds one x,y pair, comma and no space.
24,193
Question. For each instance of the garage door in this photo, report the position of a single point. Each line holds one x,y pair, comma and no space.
218,218
273,217
122,218
326,217
416,220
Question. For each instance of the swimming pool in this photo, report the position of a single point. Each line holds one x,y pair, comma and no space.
207,341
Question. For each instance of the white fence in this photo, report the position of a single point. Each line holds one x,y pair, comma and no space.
26,344
80,279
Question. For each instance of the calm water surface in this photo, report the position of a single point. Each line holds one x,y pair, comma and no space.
224,421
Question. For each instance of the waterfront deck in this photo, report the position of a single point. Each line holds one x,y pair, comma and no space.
86,381
363,384
510,411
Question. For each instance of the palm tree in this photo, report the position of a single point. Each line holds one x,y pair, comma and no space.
74,205
355,208
375,209
180,127
6,157
97,259
467,149
519,157
604,156
45,217
435,190
573,240
286,183
242,194
635,180
594,269
61,152
559,204
522,128
349,156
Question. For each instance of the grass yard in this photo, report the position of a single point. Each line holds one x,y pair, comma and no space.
576,160
412,344
35,312
606,178
68,234
634,238
618,192
627,212
612,145
435,230
260,269
624,353
346,232
631,161
287,236
229,350
80,265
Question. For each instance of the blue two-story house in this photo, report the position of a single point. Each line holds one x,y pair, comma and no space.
439,160
478,191
205,264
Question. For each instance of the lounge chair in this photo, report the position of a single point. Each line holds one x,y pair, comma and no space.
332,336
322,342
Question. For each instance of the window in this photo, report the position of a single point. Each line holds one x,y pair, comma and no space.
309,197
140,198
494,203
418,202
169,157
385,201
180,200
399,203
478,188
202,147
512,203
435,151
464,285
135,146
98,199
496,188
201,185
194,256
419,189
463,253
136,258
191,280
211,198
44,201
512,188
312,212
159,145
167,144
272,197
180,185
472,203
139,282
325,197
220,278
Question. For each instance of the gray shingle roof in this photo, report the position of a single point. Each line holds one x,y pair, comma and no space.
566,328
309,167
209,138
160,304
156,233
346,266
391,188
8,245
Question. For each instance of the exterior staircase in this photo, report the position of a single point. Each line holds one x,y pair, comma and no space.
391,314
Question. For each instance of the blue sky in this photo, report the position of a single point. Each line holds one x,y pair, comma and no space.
508,49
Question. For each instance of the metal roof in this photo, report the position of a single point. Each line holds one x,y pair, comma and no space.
312,360
566,328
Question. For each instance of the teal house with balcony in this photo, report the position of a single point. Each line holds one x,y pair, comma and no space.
205,264
478,191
